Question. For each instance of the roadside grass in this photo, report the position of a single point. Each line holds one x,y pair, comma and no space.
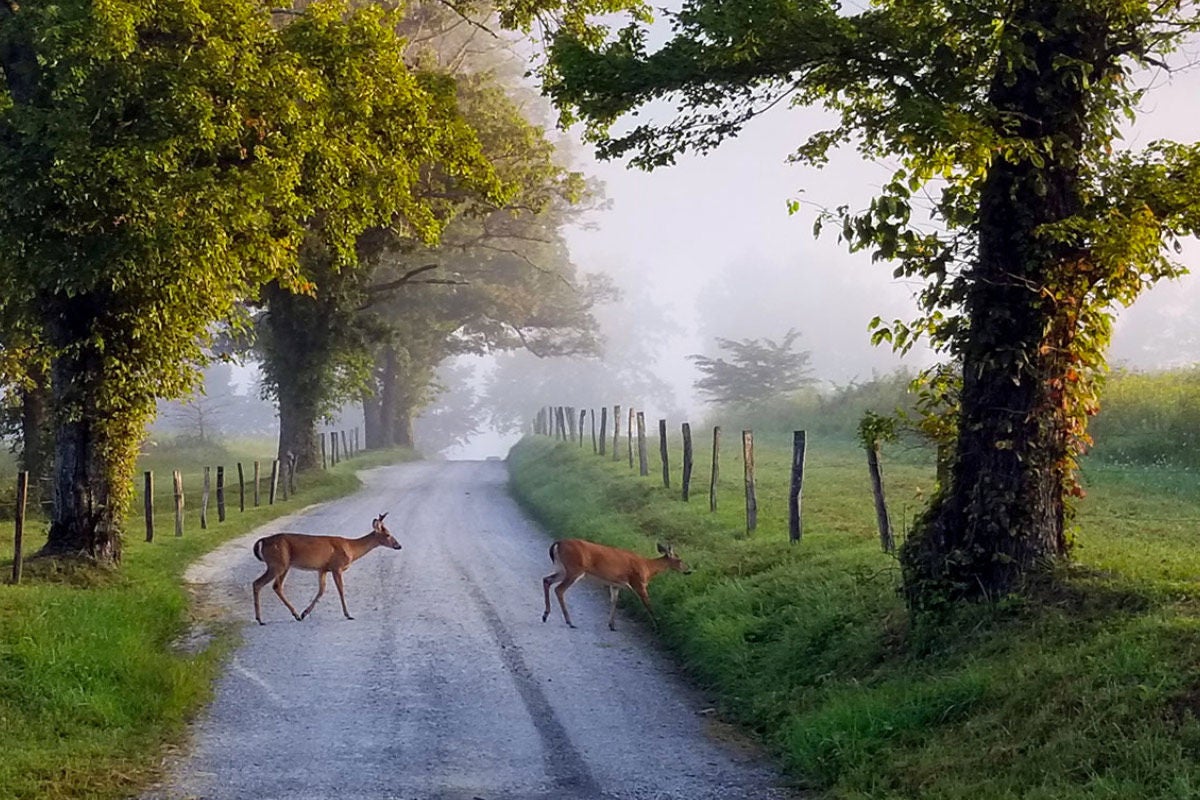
94,674
1088,687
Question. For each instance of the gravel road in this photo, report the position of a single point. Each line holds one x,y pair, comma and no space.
447,685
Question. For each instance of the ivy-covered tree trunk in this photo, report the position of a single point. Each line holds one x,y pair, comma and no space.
295,362
1004,512
94,452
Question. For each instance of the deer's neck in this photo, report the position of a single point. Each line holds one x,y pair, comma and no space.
362,545
656,565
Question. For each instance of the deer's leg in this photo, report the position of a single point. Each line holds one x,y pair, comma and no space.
640,588
279,591
613,591
561,590
337,581
320,591
547,582
259,583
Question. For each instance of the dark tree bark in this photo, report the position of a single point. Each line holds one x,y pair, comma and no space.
84,519
1004,512
372,420
296,356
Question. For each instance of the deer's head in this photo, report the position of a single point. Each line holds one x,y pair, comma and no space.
382,533
673,561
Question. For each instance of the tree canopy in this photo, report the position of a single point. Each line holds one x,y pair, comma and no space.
757,369
159,162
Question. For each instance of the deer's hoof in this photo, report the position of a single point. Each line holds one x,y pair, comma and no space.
349,617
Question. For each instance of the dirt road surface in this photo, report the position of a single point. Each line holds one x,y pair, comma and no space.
447,685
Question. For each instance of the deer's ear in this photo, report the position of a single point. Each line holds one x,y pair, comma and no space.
381,516
663,549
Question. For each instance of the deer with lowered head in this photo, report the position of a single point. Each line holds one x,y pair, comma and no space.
320,554
616,568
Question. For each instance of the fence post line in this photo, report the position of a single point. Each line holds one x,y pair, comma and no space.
204,499
256,479
220,494
148,503
322,438
643,457
751,496
582,417
616,433
594,445
19,525
662,453
687,459
886,541
795,521
177,481
274,481
345,448
603,430
716,469
241,488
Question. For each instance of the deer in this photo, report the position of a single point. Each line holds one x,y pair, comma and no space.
320,554
618,569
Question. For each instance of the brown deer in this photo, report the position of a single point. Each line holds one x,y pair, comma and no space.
575,558
320,554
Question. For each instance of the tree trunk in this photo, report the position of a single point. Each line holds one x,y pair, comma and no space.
298,430
1004,511
372,420
94,452
296,357
404,426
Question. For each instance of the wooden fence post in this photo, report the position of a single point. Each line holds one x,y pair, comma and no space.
616,433
716,469
582,417
662,453
687,459
333,449
629,435
795,522
751,496
177,480
148,503
204,500
643,457
220,494
19,526
560,415
594,446
274,481
256,480
322,438
283,485
570,423
241,488
291,472
603,430
345,448
886,541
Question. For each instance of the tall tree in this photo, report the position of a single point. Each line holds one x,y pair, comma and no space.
1002,116
160,161
757,369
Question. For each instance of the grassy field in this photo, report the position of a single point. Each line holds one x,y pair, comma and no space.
1087,688
92,682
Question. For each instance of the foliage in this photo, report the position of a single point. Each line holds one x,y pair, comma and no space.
1001,118
758,369
810,647
1149,419
161,161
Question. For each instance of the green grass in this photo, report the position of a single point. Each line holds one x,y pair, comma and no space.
1088,687
92,682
